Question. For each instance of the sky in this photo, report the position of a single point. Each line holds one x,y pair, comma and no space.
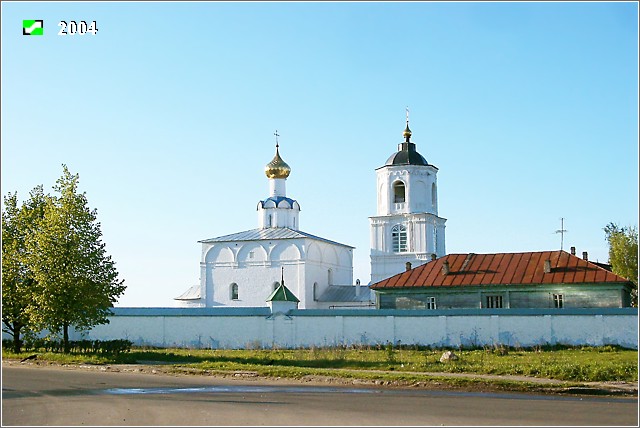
528,110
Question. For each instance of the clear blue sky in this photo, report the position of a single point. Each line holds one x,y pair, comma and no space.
529,110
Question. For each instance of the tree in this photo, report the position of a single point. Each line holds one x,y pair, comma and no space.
77,281
18,282
623,254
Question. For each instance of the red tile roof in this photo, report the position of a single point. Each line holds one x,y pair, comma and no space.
502,269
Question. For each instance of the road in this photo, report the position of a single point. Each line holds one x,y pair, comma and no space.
36,395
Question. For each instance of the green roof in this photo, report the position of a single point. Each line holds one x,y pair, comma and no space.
282,294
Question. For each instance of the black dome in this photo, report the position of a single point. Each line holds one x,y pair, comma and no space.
406,155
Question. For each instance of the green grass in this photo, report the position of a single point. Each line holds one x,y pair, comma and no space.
572,364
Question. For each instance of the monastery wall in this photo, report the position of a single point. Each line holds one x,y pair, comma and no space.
258,327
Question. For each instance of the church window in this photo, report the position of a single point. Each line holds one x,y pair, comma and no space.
270,221
330,277
234,291
398,192
315,291
399,238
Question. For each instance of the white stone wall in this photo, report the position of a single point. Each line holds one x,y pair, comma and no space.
419,214
257,327
420,183
256,265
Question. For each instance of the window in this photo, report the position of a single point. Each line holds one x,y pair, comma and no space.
251,254
431,302
270,221
494,301
399,238
315,291
398,192
558,301
234,291
330,277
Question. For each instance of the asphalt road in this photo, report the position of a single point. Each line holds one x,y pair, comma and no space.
59,396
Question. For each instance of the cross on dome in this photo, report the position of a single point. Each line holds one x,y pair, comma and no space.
407,132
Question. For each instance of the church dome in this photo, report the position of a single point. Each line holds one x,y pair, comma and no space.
407,153
277,168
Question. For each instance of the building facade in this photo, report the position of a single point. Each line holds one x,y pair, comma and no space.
547,279
406,227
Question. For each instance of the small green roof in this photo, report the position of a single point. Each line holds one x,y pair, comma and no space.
282,294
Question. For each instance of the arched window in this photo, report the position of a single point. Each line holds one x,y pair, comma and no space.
398,192
399,238
315,291
330,277
270,221
234,291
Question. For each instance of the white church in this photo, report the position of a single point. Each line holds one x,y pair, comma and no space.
247,269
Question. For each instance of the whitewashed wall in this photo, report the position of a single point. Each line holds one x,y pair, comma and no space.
258,327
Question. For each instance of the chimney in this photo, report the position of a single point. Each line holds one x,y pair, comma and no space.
445,267
573,251
433,256
547,266
357,287
407,266
585,256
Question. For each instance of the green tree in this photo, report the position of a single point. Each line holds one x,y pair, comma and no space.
623,254
18,282
77,281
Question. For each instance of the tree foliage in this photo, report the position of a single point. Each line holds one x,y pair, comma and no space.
75,280
18,282
623,254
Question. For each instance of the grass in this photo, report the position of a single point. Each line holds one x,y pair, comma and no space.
571,364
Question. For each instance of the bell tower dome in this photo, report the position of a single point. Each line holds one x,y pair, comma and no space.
406,227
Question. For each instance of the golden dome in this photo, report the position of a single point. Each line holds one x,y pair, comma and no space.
407,132
277,168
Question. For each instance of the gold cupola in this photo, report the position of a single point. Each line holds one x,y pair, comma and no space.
407,132
277,168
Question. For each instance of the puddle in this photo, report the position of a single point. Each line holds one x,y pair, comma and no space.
242,389
238,389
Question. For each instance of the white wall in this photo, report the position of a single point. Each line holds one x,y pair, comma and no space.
257,327
305,261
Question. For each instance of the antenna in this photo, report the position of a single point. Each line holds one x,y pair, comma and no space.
561,231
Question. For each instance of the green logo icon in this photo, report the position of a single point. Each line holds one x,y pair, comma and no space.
32,27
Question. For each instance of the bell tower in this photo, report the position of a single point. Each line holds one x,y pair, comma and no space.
406,227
